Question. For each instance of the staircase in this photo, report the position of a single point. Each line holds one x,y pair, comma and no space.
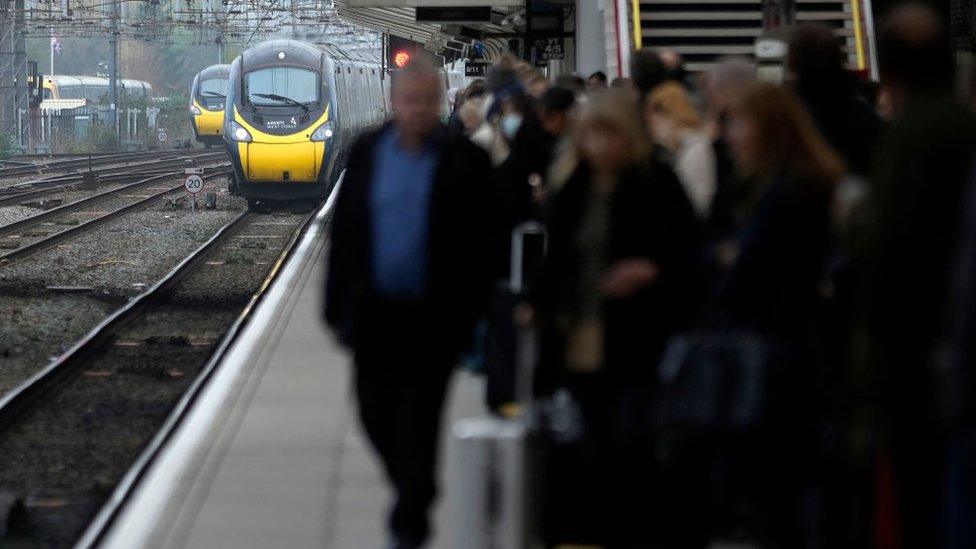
703,31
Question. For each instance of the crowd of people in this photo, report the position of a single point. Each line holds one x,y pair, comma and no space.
758,297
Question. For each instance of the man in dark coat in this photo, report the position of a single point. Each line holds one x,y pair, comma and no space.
828,90
916,211
409,272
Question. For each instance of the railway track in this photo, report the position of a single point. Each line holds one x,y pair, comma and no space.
14,167
22,238
12,194
69,434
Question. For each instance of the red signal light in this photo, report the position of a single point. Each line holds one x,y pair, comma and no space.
401,58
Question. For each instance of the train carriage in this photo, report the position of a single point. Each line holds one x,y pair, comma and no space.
90,88
292,109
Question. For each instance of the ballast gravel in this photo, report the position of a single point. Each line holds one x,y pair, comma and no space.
120,259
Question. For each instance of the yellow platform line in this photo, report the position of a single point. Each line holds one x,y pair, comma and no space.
638,33
858,36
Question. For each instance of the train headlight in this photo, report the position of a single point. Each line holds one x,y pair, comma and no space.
195,110
239,133
323,132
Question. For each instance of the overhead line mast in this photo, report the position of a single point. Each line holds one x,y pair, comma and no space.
113,71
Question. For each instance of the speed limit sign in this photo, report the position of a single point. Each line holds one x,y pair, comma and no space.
193,184
161,136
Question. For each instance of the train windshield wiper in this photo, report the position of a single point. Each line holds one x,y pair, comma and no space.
281,99
213,94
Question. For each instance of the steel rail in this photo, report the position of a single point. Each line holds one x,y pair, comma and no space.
110,171
51,187
54,212
44,243
26,168
20,399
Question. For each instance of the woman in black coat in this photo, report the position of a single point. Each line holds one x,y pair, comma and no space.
775,288
618,281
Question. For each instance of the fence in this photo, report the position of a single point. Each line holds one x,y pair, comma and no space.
72,126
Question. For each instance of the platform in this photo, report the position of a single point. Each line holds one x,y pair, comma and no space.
272,454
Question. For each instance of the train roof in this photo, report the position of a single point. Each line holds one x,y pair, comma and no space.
340,54
281,51
298,53
214,71
71,80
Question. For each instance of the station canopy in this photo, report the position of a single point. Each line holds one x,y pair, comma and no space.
446,36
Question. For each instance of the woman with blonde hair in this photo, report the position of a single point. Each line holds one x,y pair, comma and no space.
622,237
773,289
677,126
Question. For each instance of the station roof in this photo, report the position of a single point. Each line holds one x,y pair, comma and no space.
399,18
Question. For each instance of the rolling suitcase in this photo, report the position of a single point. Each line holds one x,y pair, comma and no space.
496,454
501,342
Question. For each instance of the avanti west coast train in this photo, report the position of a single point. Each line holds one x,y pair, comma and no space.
292,109
208,94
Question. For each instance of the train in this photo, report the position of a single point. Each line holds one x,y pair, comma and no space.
291,112
90,88
208,93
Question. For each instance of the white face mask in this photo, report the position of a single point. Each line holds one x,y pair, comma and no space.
510,125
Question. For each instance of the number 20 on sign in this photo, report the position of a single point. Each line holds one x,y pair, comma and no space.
193,185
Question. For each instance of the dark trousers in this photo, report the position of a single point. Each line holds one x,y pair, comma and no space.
402,372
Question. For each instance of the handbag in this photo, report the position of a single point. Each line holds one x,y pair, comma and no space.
712,378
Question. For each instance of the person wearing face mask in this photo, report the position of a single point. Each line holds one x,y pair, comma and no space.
517,196
531,137
522,171
510,121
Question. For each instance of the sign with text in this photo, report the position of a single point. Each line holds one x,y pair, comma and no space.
549,49
193,184
476,69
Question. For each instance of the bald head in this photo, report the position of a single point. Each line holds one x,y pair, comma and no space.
736,72
418,67
730,77
416,97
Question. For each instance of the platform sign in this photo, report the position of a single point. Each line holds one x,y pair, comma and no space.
549,49
476,69
193,184
161,136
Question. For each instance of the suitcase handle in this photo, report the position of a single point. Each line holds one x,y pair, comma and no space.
528,240
528,248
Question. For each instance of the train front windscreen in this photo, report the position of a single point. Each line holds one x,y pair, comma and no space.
213,92
282,86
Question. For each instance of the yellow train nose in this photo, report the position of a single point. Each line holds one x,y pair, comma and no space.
283,162
209,122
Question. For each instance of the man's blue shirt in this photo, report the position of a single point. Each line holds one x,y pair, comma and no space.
400,210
